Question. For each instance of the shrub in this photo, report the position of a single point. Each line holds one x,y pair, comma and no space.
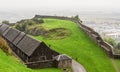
118,46
76,17
21,27
5,22
38,20
29,22
4,46
37,31
111,41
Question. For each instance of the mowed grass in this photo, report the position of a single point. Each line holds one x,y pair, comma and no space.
117,61
11,64
79,46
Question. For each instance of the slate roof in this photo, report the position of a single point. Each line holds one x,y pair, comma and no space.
12,34
23,42
3,28
0,24
28,45
6,31
62,57
19,38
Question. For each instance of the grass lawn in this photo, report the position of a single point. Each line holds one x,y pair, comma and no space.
12,64
78,45
118,63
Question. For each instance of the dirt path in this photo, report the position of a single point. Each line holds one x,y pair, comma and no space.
77,67
115,65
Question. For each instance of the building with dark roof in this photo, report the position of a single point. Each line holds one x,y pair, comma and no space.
33,53
63,61
3,28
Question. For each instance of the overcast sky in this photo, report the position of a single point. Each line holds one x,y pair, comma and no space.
112,4
15,10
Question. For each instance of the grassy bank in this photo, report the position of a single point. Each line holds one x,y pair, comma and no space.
12,64
9,63
117,61
79,46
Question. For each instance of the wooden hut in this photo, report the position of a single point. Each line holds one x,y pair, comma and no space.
33,53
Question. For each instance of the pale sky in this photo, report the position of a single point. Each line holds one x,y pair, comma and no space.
15,10
60,3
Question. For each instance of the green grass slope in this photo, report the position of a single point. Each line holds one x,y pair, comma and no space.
78,45
12,64
117,62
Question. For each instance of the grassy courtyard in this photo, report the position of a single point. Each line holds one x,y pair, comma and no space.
77,45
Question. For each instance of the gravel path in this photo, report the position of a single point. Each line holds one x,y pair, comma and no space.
77,67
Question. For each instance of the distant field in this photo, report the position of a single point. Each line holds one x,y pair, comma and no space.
12,64
79,46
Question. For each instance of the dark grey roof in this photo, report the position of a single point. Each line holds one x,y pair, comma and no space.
28,45
62,57
12,34
23,42
3,28
0,24
6,31
18,38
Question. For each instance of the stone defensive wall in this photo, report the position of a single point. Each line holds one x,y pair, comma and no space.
90,32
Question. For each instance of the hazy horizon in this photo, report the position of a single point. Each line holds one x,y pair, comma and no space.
14,15
14,10
83,4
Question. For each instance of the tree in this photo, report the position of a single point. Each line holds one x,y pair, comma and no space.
77,17
38,20
21,27
118,46
111,41
5,22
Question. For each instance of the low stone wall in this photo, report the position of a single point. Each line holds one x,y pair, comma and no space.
56,17
41,64
91,33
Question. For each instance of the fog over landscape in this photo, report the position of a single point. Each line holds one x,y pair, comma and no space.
74,36
101,15
18,9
